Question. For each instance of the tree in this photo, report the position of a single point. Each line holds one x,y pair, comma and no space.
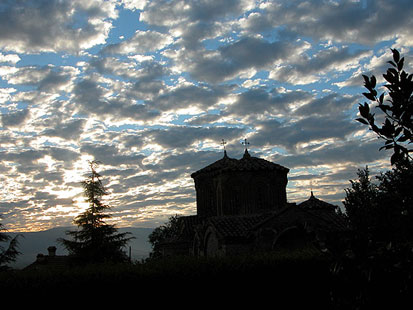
163,233
376,265
397,128
378,260
9,253
360,204
396,198
95,241
382,213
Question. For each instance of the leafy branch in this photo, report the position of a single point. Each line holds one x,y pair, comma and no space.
397,129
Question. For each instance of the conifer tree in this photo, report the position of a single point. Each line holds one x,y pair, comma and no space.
95,241
9,252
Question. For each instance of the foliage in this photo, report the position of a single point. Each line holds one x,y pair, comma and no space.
95,241
382,212
377,262
359,201
163,233
9,253
381,242
397,129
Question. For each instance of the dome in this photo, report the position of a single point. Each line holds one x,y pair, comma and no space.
246,163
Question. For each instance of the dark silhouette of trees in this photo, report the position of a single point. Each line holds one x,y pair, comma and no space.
382,213
95,241
397,128
359,205
376,266
9,252
163,233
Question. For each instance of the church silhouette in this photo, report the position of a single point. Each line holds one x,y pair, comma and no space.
242,208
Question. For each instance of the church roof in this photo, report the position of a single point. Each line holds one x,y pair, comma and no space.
315,203
246,163
236,226
323,213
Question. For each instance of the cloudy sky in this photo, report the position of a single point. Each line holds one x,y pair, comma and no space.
150,88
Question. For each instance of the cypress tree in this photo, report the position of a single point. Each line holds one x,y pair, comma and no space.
95,241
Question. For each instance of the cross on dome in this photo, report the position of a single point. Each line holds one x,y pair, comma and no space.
245,143
223,143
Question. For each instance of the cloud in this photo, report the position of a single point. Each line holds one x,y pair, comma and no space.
172,13
63,154
70,130
203,96
23,157
134,4
189,161
332,104
306,70
13,119
182,137
46,79
92,98
259,101
153,94
34,26
141,42
313,128
343,21
353,152
232,59
111,155
203,119
9,58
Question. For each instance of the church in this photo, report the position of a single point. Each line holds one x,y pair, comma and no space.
242,208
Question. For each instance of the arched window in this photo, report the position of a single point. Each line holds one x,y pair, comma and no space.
211,244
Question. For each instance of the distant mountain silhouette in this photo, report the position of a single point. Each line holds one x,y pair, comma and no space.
33,243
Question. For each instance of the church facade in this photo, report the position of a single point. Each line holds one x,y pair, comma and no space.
242,208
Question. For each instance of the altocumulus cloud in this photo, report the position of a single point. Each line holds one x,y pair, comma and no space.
150,88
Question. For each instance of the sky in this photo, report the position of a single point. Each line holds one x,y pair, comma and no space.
150,89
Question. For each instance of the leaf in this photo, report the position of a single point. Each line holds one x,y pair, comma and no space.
369,96
373,81
362,120
393,71
394,158
402,138
388,129
396,55
364,110
387,147
400,64
392,63
384,107
366,79
381,98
